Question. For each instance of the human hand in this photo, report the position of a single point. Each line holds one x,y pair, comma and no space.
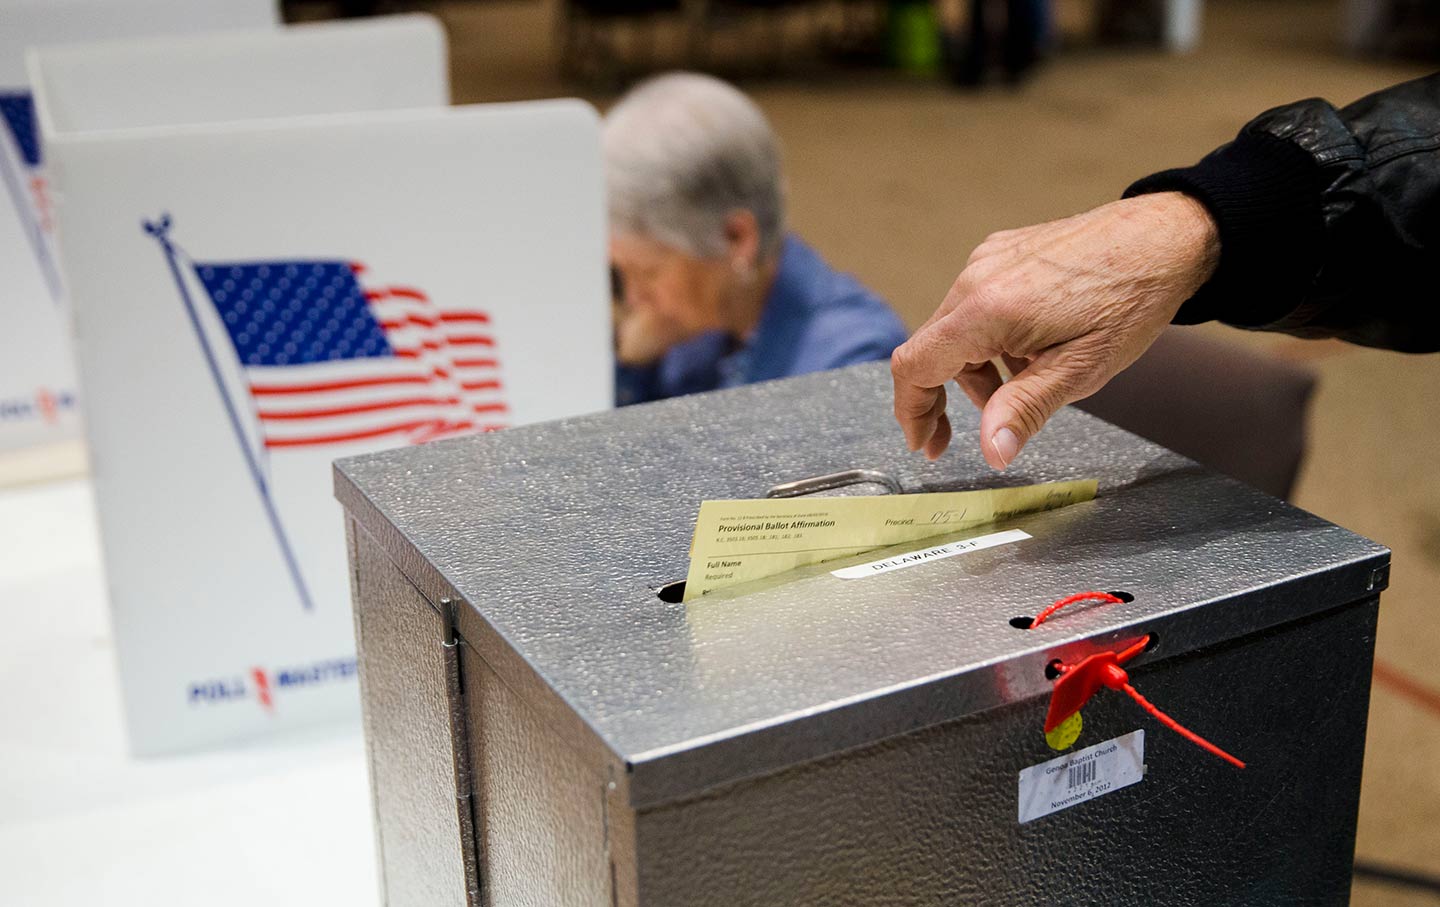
642,336
1067,305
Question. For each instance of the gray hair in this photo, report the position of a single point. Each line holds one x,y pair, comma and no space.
683,151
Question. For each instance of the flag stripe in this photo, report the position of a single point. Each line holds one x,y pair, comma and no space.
282,430
343,437
391,324
358,408
398,292
434,321
264,390
446,430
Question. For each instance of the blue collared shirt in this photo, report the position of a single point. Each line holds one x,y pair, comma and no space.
815,318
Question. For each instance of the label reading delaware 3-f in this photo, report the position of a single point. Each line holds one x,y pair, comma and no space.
935,553
1082,775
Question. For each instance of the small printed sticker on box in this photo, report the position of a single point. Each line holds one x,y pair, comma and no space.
935,553
1083,775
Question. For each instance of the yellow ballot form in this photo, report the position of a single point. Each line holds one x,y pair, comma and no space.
737,541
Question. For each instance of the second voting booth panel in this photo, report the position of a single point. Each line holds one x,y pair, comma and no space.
39,401
550,724
206,80
255,295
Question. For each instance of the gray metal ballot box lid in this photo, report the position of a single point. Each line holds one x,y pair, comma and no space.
552,540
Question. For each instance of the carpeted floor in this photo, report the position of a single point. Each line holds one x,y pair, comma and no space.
896,178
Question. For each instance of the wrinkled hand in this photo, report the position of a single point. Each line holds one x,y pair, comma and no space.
1067,305
642,335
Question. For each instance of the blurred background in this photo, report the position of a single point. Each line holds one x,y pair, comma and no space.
898,165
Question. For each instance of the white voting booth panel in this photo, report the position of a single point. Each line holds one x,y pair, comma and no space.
254,299
35,23
389,63
39,405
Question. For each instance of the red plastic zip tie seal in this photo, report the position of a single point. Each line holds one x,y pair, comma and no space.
1077,598
1077,684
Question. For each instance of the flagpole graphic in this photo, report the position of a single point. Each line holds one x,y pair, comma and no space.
161,231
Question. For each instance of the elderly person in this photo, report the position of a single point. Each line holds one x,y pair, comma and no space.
1315,221
712,291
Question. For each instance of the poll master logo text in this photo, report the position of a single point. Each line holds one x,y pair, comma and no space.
45,405
268,687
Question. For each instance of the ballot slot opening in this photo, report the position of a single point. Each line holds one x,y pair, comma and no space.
672,593
1026,621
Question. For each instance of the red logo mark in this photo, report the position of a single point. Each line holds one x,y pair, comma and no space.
40,196
262,689
49,409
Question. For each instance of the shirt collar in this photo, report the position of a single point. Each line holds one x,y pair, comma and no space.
777,333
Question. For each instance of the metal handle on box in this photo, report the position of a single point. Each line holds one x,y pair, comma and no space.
835,480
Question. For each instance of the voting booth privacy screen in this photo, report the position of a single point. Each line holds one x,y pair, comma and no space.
39,402
254,298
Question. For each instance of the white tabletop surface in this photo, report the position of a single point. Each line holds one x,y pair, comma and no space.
82,822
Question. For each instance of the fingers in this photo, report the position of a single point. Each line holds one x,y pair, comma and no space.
941,350
947,346
979,382
959,341
1014,365
919,411
1022,406
939,440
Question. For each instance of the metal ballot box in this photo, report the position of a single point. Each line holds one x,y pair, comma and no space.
549,726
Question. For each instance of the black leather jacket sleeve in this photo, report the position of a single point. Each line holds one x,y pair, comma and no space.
1329,220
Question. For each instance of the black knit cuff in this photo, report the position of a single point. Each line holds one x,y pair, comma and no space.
1264,193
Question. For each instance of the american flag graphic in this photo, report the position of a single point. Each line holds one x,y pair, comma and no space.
17,108
330,358
22,170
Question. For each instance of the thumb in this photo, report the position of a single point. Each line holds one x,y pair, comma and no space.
1020,407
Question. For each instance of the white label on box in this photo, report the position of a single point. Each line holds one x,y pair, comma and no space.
939,552
1082,775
